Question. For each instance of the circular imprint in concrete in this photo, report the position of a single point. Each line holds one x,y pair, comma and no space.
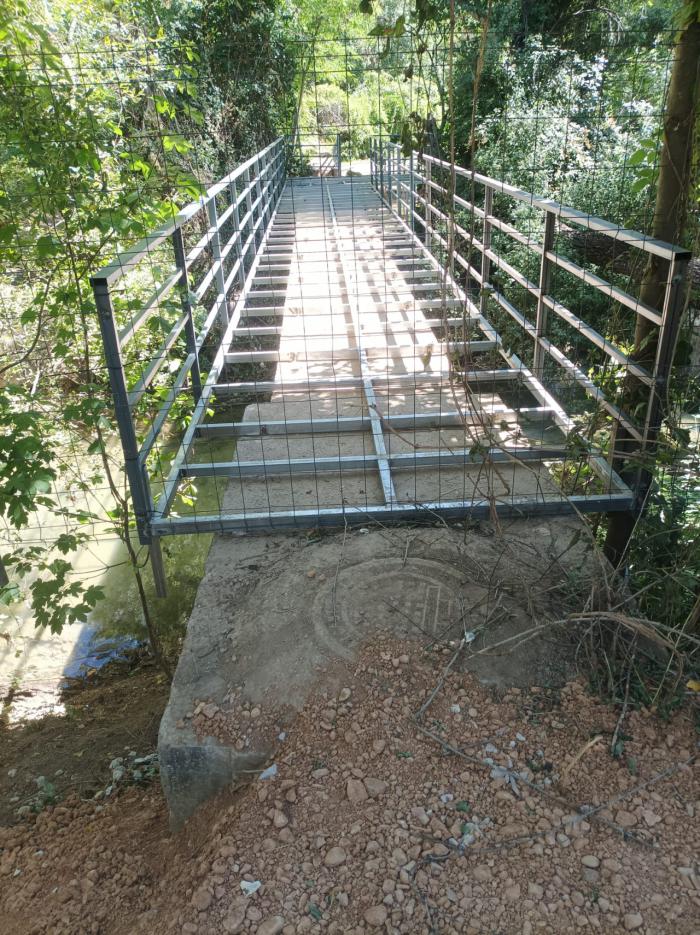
419,599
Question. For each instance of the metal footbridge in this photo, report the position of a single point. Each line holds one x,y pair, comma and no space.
315,351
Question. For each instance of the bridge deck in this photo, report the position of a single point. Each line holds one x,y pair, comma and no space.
372,387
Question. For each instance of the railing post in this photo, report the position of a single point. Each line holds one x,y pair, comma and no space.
398,168
136,474
213,217
412,191
249,212
485,261
190,333
672,313
238,233
539,356
428,204
381,166
269,186
338,161
388,174
258,197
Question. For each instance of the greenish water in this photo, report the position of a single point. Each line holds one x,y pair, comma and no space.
119,614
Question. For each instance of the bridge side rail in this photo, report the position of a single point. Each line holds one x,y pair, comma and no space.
249,195
409,181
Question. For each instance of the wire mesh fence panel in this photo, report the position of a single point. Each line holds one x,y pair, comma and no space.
357,322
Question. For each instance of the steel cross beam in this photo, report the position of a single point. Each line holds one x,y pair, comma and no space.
367,385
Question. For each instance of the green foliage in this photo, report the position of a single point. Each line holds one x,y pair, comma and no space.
26,474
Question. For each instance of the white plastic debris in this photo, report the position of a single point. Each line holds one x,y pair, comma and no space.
520,737
249,887
269,772
446,797
455,709
490,748
469,636
282,735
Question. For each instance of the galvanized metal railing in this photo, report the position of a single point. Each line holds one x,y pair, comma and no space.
410,185
244,203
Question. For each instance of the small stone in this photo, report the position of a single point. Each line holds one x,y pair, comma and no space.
632,921
375,787
535,890
279,819
512,893
189,928
210,710
311,573
651,818
482,873
625,819
344,695
356,791
335,857
376,916
201,899
234,921
319,773
589,860
472,712
420,815
379,746
273,925
255,712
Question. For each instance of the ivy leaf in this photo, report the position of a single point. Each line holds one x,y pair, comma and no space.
177,142
47,246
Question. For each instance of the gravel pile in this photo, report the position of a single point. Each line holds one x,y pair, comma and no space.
479,815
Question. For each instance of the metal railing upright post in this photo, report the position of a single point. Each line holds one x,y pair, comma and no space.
135,472
397,179
238,234
249,214
412,191
388,174
190,332
381,166
259,209
672,313
213,218
428,204
538,354
485,260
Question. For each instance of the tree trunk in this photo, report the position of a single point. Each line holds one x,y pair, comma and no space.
670,210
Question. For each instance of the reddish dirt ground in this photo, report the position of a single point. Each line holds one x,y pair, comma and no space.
378,822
